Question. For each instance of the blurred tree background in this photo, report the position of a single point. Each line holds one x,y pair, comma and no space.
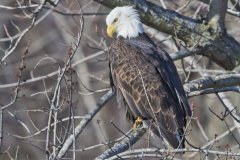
54,70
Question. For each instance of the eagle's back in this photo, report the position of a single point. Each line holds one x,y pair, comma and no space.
142,88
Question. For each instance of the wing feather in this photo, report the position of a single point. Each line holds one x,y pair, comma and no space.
141,74
165,66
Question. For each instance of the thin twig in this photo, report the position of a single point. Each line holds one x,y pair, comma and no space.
86,119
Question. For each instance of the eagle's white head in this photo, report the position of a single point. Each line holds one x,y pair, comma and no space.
124,21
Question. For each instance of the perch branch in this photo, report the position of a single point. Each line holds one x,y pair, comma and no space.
125,144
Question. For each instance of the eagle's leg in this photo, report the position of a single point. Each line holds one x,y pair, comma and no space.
138,122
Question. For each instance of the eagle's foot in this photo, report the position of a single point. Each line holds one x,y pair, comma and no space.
138,123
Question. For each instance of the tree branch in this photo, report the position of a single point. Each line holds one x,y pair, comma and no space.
165,152
217,81
216,44
86,119
213,90
217,11
125,144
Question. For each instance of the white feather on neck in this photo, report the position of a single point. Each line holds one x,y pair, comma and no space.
130,29
129,25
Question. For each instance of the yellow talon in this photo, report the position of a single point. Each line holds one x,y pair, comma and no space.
138,123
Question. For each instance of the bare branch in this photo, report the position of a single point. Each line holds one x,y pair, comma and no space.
86,119
125,144
213,90
217,11
35,79
20,35
166,152
213,81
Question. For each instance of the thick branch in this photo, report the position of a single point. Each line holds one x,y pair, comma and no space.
219,81
213,90
229,10
214,43
217,11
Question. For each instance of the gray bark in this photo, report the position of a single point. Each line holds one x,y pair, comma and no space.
209,37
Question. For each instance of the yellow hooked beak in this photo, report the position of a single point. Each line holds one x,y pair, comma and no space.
111,30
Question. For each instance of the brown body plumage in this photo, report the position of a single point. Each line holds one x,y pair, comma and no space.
147,83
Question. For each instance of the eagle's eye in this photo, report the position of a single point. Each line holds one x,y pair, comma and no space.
115,20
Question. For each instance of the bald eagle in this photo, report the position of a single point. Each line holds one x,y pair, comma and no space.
145,78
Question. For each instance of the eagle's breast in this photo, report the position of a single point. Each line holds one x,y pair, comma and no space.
138,80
